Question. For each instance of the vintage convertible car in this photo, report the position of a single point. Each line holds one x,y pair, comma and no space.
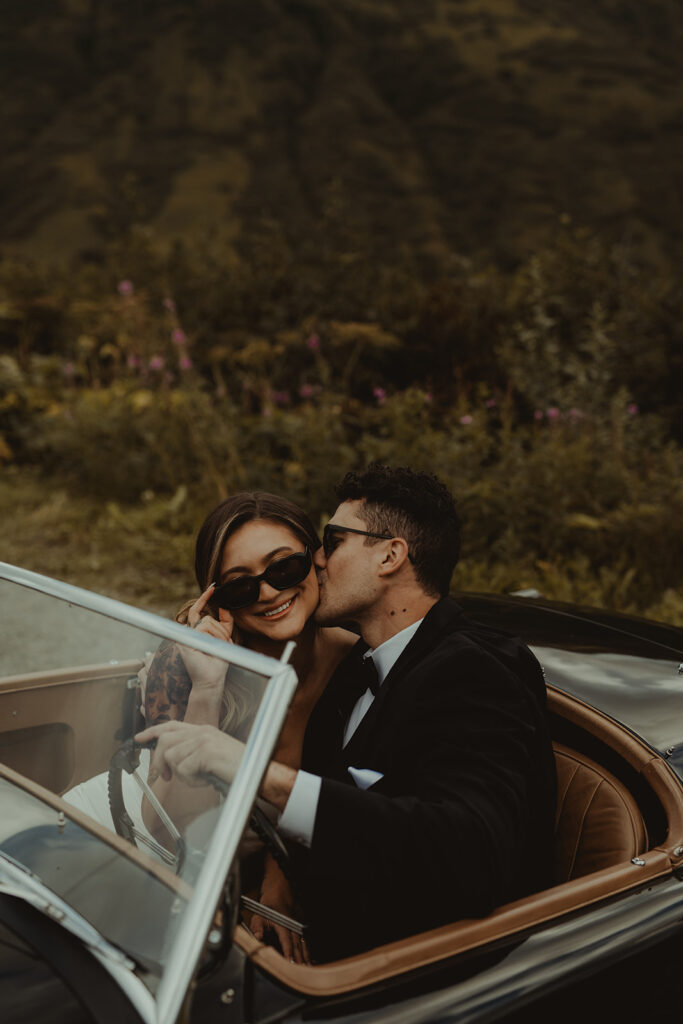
101,921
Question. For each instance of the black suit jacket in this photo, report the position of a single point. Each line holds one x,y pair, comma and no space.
462,819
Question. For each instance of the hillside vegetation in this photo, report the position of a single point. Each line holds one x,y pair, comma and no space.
532,394
254,245
449,125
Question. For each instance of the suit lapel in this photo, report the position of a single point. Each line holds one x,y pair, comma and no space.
322,750
440,618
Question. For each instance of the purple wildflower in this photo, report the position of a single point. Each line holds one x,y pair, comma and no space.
178,336
185,363
125,288
156,363
491,403
575,415
313,342
168,305
553,413
538,415
380,394
466,420
280,397
134,362
306,391
632,409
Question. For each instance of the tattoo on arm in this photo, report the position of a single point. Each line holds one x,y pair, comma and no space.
168,686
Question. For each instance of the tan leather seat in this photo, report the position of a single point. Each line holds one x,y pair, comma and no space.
597,821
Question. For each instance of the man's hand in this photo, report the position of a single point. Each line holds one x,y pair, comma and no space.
189,751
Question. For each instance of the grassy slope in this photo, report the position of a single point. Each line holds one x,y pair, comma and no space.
142,554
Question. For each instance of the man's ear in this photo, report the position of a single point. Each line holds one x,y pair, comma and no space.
394,557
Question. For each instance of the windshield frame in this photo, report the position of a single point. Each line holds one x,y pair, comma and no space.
199,914
137,617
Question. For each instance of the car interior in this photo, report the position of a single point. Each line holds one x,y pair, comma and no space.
619,819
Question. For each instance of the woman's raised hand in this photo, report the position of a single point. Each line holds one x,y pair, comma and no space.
207,673
198,619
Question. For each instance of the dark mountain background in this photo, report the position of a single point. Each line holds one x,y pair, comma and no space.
249,244
468,126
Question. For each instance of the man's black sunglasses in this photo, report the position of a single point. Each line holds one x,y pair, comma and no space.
330,541
280,574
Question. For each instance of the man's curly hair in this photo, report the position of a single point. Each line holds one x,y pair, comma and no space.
415,506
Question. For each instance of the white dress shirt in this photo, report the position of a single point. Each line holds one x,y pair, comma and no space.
298,818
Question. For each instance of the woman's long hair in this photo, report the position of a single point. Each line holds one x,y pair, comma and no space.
235,512
229,516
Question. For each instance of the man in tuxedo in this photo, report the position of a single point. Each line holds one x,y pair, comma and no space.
427,789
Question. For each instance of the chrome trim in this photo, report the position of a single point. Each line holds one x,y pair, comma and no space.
157,806
553,956
198,917
254,907
287,653
137,617
134,989
16,880
142,840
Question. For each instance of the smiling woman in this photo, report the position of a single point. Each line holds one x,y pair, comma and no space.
267,580
254,569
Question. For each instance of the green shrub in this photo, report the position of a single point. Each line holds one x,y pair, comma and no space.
184,376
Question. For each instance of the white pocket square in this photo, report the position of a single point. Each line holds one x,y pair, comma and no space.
365,777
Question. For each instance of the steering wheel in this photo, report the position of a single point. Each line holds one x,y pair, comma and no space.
127,758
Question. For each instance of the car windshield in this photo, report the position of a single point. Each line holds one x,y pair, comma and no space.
73,670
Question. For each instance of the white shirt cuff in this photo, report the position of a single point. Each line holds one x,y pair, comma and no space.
298,817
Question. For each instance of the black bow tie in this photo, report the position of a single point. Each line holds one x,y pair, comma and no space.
360,675
369,676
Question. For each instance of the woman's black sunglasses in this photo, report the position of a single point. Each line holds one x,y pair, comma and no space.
245,590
